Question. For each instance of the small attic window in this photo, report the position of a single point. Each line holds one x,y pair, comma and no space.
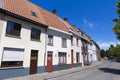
33,13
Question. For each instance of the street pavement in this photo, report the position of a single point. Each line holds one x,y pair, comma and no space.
105,70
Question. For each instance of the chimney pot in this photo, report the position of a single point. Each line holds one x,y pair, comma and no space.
54,11
65,19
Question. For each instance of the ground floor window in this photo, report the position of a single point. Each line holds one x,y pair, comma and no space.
12,57
77,57
62,58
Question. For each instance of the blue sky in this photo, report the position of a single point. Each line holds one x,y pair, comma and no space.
93,16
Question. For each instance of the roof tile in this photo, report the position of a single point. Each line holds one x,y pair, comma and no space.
23,8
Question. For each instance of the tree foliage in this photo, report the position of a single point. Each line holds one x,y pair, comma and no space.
113,51
116,27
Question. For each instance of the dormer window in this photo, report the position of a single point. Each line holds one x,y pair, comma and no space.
33,13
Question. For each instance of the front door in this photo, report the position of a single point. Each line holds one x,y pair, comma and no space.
72,58
49,62
33,62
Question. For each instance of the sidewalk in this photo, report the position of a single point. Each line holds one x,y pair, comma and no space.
42,76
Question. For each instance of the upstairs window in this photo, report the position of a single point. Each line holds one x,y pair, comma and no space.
13,28
50,40
64,43
77,41
71,40
33,14
35,34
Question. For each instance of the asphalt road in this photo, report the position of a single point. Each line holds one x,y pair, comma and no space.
107,71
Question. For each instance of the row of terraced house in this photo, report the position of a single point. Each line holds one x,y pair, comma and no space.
33,40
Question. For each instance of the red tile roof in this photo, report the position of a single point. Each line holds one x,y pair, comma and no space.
24,8
86,37
52,19
70,27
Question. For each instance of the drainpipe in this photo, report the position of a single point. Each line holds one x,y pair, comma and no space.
45,47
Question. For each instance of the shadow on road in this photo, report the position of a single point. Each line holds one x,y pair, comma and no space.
110,70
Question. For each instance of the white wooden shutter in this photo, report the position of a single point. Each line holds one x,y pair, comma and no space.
12,55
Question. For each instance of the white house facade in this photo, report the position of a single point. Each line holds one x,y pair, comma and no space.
59,49
33,40
20,46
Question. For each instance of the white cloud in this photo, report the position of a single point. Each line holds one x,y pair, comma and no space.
106,45
88,23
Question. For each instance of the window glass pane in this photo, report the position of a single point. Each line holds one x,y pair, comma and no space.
62,58
64,42
35,34
12,63
13,28
77,57
50,39
33,14
77,41
17,27
10,26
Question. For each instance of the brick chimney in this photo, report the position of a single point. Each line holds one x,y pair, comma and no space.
65,19
54,11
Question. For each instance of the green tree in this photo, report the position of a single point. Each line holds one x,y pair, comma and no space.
117,51
112,52
102,53
116,27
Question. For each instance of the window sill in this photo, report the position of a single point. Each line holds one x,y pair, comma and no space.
49,44
13,36
5,68
64,47
35,40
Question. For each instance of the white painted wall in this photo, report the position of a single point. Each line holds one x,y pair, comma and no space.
57,45
28,45
23,43
92,51
77,48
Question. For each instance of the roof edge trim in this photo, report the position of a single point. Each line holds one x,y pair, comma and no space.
50,27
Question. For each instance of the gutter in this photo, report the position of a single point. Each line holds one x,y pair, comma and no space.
59,30
22,18
45,49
